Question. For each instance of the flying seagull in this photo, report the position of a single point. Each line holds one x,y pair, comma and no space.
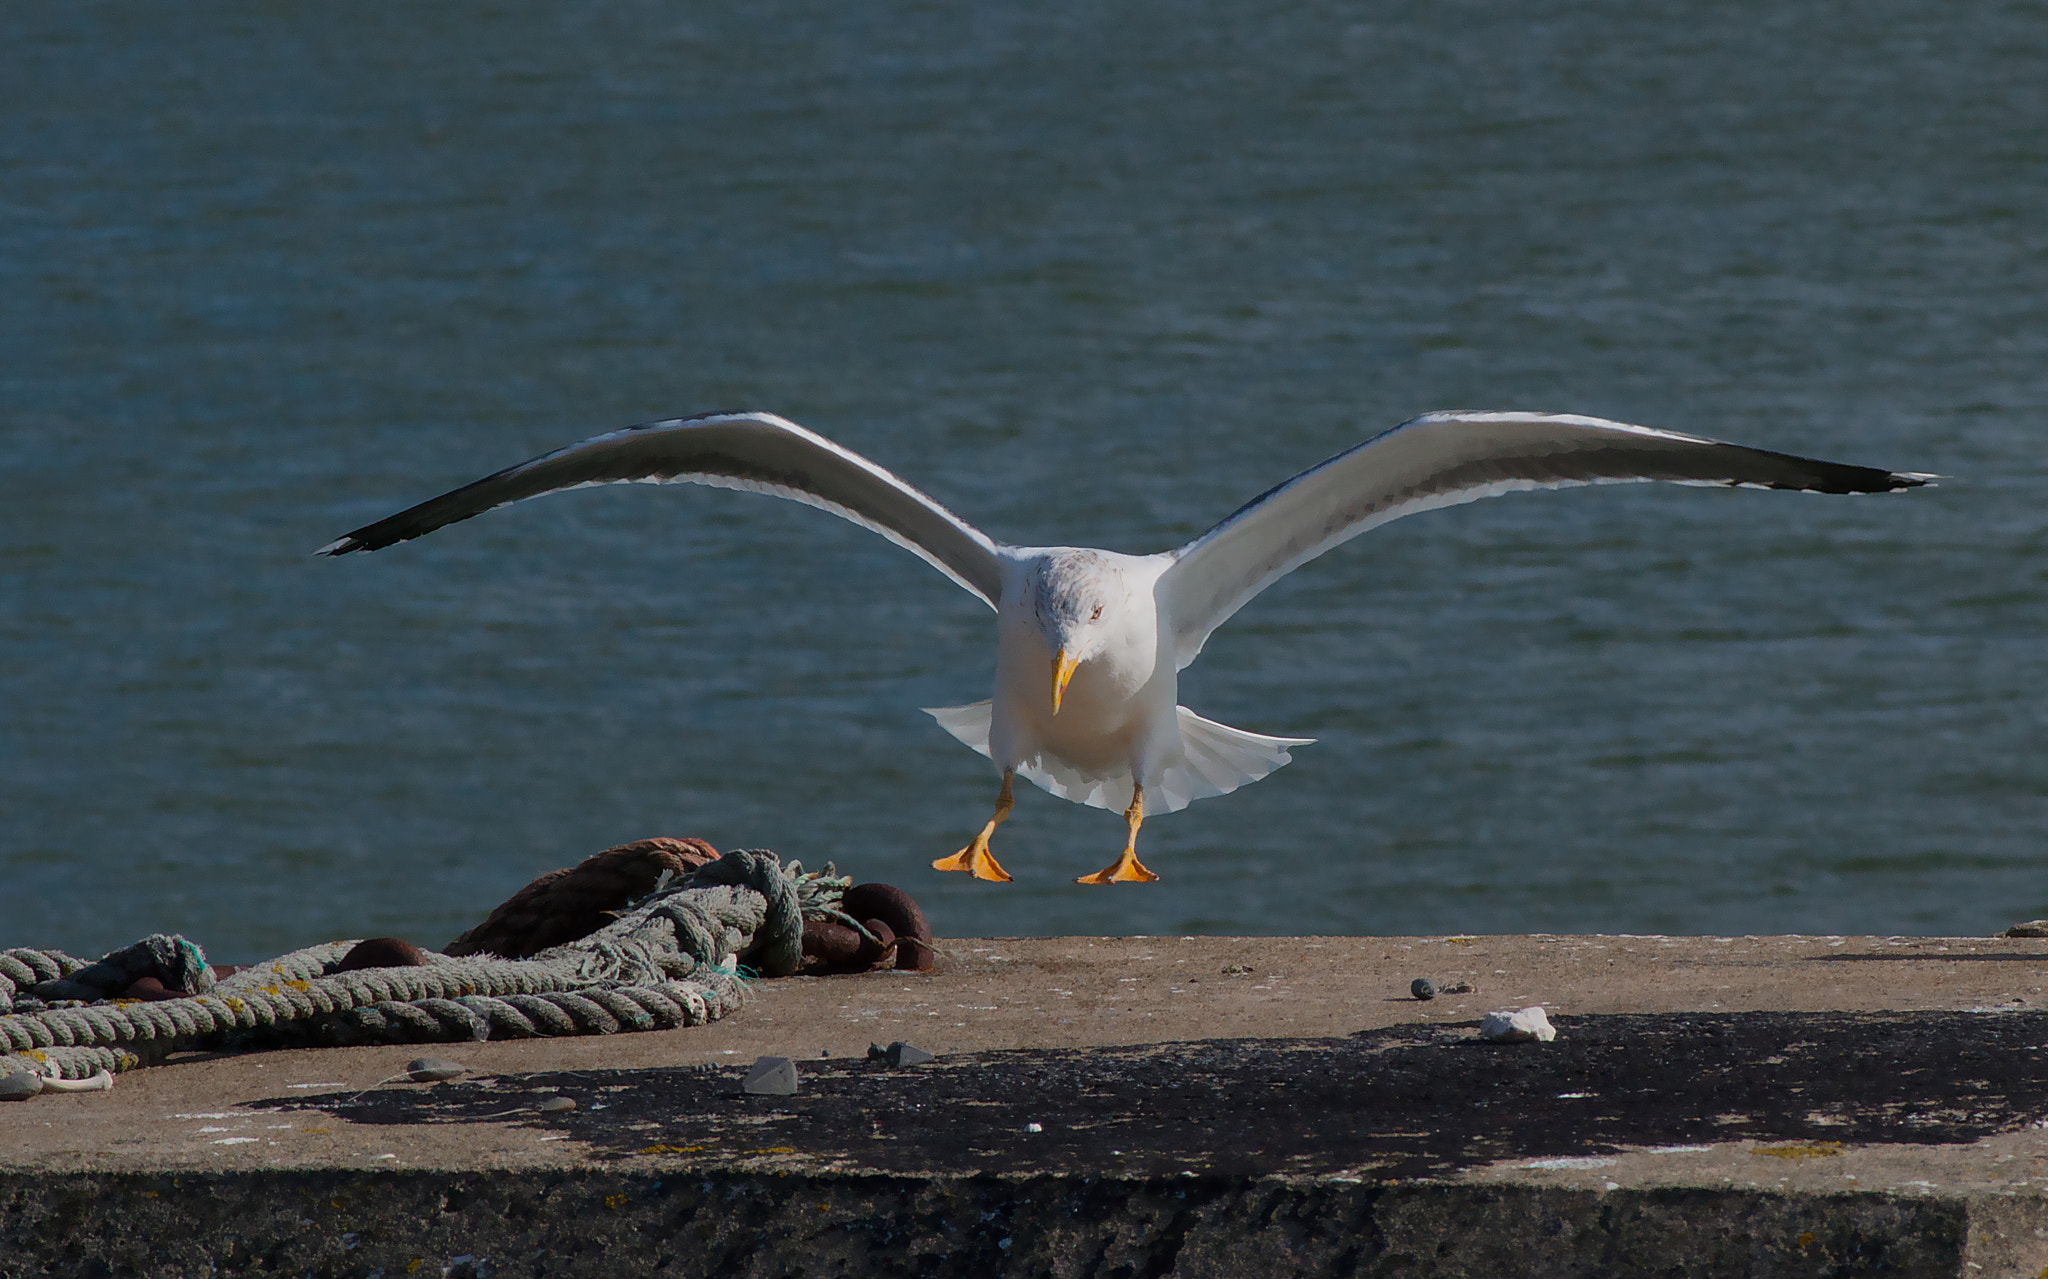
1090,643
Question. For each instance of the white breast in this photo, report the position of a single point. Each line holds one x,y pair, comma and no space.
1120,696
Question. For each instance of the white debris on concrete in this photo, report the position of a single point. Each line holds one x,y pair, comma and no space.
98,1083
1571,1162
1518,1028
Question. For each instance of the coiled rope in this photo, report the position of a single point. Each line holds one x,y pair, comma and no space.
673,958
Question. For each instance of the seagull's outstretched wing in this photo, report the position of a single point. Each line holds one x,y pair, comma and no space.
758,452
1442,459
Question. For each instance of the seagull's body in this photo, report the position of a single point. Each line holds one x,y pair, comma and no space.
1090,642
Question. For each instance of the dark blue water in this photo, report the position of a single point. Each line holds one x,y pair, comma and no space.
1089,274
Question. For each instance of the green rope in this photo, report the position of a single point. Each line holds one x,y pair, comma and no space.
670,959
22,969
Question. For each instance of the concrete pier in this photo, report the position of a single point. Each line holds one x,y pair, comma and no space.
1130,1106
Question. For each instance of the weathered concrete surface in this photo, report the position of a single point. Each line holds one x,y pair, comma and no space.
722,1224
1826,1106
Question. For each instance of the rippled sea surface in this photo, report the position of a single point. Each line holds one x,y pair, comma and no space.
1087,273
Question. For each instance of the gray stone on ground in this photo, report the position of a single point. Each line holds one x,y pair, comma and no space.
771,1077
429,1070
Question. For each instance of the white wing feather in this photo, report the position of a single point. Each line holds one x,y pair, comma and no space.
1443,459
757,452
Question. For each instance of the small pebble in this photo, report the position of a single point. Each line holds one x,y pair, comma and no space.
428,1070
1034,1127
771,1077
902,1054
1422,988
556,1105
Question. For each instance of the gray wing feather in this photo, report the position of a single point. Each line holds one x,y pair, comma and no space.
1443,459
757,452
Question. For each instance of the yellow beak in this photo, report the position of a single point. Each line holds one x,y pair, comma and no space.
1062,671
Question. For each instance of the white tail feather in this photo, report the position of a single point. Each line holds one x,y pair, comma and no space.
1216,760
968,723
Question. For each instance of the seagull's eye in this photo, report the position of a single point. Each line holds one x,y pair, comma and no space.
1096,616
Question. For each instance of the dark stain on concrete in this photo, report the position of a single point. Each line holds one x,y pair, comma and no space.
1394,1104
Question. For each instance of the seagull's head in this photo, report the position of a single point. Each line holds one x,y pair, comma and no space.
1075,596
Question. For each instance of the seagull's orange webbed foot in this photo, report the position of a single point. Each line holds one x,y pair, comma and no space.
976,859
1127,869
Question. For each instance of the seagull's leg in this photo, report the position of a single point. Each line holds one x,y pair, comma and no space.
1127,869
975,859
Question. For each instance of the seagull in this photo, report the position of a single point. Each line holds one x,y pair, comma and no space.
1090,643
